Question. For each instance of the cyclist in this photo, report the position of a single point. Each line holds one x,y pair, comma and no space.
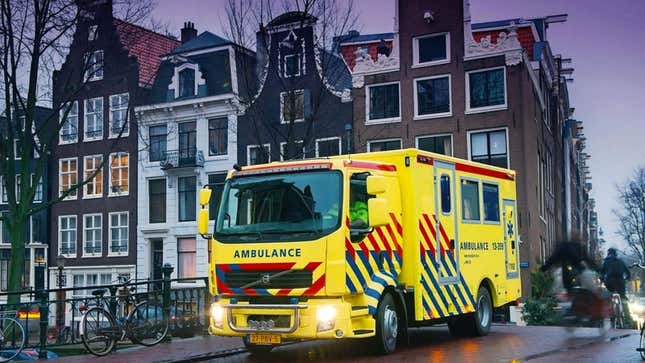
570,256
614,273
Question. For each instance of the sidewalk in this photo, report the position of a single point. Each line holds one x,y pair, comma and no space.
176,351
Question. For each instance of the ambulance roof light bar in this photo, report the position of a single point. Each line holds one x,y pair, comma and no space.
281,169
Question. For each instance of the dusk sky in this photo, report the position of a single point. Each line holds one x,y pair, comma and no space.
603,38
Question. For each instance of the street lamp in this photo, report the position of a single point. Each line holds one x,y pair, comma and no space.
60,313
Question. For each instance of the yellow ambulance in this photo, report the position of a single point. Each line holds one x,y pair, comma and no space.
361,246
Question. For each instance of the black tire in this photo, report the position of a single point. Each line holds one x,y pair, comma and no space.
12,337
98,331
387,325
479,322
256,349
147,325
458,327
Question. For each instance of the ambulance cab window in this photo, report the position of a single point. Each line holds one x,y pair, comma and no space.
358,215
445,194
470,200
491,202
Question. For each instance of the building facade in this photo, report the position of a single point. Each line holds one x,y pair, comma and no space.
109,69
485,92
188,139
301,107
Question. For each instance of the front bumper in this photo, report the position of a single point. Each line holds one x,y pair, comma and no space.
291,321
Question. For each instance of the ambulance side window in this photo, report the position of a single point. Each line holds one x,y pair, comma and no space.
445,194
470,200
491,202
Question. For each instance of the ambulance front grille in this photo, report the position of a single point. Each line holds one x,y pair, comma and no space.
292,280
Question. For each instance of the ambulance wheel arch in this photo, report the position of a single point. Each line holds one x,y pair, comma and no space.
488,284
391,314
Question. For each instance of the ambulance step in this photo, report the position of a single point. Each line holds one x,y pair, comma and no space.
363,331
360,311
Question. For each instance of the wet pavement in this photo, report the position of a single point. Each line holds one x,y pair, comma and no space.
434,344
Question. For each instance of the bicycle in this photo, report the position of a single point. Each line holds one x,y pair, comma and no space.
617,312
119,316
12,336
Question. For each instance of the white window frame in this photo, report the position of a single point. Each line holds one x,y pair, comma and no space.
96,114
127,246
452,141
340,145
17,185
16,154
248,152
283,144
60,178
67,120
3,192
94,228
370,142
282,97
112,193
198,78
369,121
470,110
91,73
60,235
39,185
415,50
508,146
31,229
92,33
126,128
284,65
87,172
416,98
2,227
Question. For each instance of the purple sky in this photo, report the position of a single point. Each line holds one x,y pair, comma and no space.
604,40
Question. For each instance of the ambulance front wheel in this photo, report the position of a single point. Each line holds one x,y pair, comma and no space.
387,325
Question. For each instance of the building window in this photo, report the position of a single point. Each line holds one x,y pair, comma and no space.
18,182
187,142
67,177
186,258
490,194
187,82
298,153
431,49
93,234
119,233
439,144
257,154
158,142
489,147
328,147
69,129
35,230
119,173
384,102
469,200
94,119
216,183
5,197
432,97
119,125
292,65
187,198
94,66
4,230
67,235
383,145
92,33
157,200
486,90
218,136
17,149
5,257
38,195
292,106
78,281
94,187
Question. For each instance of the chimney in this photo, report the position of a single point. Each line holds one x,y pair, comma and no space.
188,32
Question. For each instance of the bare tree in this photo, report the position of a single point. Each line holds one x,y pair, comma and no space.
246,21
36,37
631,215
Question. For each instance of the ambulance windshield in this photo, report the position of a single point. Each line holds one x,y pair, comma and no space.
279,207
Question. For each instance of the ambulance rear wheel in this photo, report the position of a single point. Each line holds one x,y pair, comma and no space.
483,316
387,325
255,349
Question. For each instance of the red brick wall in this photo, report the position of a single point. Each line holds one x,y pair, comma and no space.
348,51
524,35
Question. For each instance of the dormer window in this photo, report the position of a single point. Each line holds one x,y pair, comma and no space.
187,82
292,56
94,66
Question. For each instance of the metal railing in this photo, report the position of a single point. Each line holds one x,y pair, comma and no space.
52,317
182,158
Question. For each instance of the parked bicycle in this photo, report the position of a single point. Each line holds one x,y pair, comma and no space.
12,336
118,316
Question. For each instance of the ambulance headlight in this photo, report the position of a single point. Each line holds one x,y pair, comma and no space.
217,314
326,317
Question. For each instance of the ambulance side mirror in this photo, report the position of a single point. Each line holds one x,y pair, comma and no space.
205,196
376,184
203,215
378,212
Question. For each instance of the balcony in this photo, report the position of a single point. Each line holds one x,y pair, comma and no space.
183,158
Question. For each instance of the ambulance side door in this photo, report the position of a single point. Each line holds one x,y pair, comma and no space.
445,231
510,239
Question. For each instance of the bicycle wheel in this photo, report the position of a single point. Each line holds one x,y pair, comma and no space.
146,324
98,331
12,338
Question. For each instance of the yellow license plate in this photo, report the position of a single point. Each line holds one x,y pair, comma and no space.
264,339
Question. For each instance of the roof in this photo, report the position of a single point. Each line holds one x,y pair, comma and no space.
364,38
498,23
147,46
336,72
291,17
202,41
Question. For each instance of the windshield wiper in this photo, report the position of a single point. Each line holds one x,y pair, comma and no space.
258,235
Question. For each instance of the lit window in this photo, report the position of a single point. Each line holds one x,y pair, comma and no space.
67,235
67,177
69,128
119,173
94,119
186,258
92,234
94,66
119,115
94,187
119,233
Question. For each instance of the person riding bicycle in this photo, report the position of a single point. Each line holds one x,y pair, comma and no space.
614,273
569,255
